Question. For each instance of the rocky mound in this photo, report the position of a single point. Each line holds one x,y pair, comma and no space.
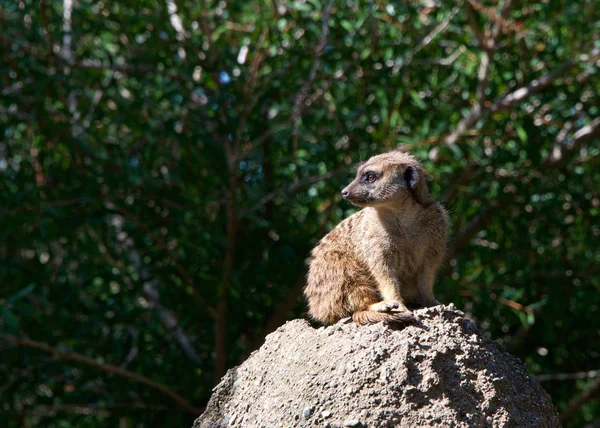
441,373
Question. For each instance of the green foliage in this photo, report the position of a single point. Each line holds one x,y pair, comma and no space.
184,162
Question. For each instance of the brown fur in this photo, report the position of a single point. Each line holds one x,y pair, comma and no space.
385,255
372,317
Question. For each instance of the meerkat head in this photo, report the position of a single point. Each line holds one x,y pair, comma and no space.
388,179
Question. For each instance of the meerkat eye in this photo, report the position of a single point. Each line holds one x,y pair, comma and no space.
370,177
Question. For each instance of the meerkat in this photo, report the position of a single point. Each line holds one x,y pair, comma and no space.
385,256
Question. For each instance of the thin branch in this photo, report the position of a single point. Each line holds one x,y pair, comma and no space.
594,424
228,265
281,312
559,141
515,305
472,19
66,48
449,60
13,111
510,99
15,87
171,322
187,278
294,187
562,148
586,132
177,25
425,41
536,86
483,78
387,18
175,20
153,296
567,376
49,204
250,146
302,93
98,94
468,174
275,8
108,368
576,403
85,409
501,21
299,105
471,229
477,223
488,47
233,156
134,351
249,102
66,53
438,29
95,64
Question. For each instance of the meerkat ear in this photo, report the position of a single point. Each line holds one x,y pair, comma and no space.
411,176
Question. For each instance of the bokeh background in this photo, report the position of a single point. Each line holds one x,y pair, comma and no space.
167,165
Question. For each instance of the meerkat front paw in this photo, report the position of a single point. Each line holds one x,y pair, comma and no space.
387,306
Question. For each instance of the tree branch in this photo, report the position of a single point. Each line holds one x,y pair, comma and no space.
85,409
233,154
576,403
228,264
187,278
471,229
294,187
177,25
536,86
438,29
512,98
43,205
298,110
281,313
171,322
488,47
94,64
108,368
594,424
472,19
508,100
562,148
567,376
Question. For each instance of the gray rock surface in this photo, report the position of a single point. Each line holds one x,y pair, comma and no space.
443,373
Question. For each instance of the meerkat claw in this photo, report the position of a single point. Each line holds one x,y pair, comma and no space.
385,306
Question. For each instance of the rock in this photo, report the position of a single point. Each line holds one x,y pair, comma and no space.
441,373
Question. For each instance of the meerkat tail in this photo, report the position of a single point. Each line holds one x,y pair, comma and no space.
371,317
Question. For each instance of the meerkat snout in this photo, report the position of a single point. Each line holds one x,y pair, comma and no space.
381,183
